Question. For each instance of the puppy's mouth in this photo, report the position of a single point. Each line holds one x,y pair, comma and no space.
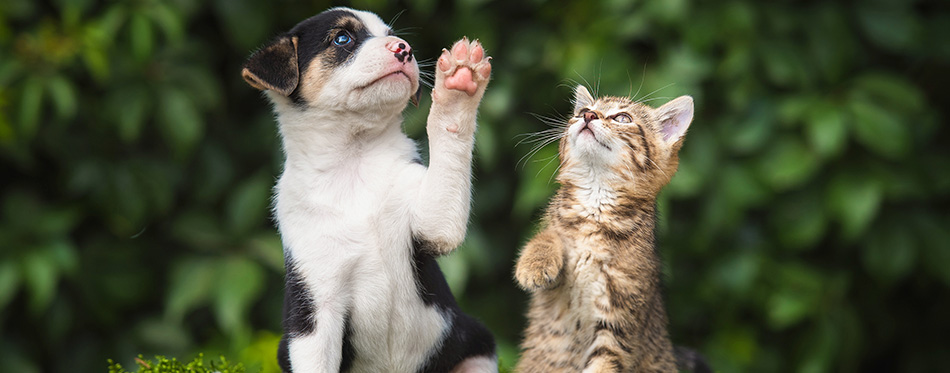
386,76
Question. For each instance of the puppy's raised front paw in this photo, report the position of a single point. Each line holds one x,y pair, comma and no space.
465,69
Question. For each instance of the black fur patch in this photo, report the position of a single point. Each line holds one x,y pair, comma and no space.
283,354
430,283
691,361
467,337
315,38
299,310
349,354
273,67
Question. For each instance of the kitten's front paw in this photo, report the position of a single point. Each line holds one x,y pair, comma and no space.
462,73
536,272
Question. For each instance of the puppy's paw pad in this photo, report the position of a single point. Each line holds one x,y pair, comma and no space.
462,81
465,67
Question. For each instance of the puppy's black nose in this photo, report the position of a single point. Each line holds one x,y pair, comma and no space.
401,50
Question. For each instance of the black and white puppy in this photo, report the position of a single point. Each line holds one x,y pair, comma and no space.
360,217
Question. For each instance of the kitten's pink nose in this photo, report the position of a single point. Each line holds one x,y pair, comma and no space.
401,49
589,116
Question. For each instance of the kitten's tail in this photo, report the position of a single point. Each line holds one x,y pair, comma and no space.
690,361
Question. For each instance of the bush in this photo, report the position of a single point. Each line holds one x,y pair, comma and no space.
164,365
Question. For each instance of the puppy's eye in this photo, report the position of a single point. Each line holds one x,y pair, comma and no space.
342,39
623,118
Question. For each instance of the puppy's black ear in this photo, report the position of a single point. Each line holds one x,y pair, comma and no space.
274,67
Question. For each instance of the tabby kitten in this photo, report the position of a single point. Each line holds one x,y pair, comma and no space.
593,271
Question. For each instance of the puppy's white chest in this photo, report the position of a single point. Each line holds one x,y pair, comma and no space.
339,208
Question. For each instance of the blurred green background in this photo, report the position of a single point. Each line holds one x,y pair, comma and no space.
807,230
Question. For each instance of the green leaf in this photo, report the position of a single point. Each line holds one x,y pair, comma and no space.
537,181
129,107
826,131
894,91
247,207
893,27
455,268
269,250
889,252
239,284
879,129
740,187
191,282
9,282
140,33
246,22
934,250
795,109
63,254
163,334
63,96
41,277
822,343
750,134
783,64
796,297
798,221
31,100
215,174
854,200
738,272
787,164
166,18
699,159
179,121
199,229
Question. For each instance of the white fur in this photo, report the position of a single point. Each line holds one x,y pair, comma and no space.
477,365
595,177
349,201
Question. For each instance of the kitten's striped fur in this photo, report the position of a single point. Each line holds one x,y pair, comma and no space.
592,270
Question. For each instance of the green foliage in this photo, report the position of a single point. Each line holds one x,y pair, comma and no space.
806,229
164,365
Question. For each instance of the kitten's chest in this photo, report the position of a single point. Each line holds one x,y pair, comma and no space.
587,264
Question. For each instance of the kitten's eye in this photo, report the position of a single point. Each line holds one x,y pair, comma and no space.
623,118
342,38
580,114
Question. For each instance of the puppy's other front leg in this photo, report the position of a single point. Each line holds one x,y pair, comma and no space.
441,208
321,350
316,316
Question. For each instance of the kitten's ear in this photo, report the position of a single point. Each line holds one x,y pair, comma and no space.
674,118
274,67
582,98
